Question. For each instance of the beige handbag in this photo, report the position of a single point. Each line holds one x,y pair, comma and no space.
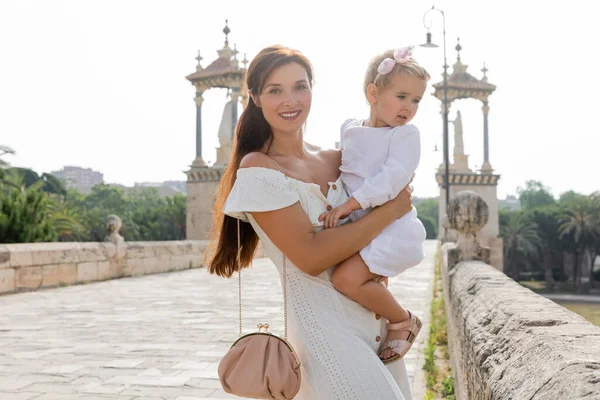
261,365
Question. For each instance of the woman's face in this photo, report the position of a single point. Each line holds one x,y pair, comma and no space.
286,98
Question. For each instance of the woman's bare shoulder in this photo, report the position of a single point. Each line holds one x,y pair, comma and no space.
257,159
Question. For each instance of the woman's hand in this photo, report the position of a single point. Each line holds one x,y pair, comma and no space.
384,280
401,204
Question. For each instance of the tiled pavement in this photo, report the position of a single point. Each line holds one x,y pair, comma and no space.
153,337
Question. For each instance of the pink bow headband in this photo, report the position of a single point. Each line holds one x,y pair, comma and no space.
401,56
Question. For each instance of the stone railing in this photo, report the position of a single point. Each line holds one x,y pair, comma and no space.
505,341
31,266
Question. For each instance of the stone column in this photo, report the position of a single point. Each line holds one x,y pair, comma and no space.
486,166
199,161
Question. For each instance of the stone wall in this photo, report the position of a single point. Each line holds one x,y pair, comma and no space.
30,266
507,342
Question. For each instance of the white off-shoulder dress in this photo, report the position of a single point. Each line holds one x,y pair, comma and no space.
336,338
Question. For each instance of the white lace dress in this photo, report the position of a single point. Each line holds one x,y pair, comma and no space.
336,338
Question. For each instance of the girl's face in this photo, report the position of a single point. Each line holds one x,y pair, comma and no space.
397,104
286,98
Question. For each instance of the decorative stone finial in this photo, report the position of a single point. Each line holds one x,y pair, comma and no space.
234,52
458,48
199,58
468,213
226,31
484,70
113,225
245,61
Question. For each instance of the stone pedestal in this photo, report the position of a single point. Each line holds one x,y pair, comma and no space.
485,185
202,185
467,214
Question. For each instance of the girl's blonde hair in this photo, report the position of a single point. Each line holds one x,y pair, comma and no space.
412,67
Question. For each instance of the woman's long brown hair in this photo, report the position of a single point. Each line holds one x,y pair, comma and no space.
252,133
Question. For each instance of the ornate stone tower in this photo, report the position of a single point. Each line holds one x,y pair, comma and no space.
202,180
462,85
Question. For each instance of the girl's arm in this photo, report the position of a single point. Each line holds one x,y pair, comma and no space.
397,171
292,232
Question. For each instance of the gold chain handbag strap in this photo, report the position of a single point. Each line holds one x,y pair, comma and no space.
239,263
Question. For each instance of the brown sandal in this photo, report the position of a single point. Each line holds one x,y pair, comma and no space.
413,324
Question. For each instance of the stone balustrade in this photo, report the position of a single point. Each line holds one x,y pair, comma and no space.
30,266
505,341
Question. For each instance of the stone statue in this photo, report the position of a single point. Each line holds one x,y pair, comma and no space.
461,160
459,147
113,225
468,213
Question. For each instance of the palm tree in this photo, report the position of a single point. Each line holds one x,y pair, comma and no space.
581,222
522,244
65,220
20,179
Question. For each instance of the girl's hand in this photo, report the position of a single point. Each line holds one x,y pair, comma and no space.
332,217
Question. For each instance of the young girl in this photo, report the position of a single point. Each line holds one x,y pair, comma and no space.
379,158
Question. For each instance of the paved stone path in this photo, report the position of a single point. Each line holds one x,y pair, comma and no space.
152,337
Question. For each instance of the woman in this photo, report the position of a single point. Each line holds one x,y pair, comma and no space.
280,185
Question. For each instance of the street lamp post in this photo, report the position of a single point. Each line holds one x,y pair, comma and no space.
446,184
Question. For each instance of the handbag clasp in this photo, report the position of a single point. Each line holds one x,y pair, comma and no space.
262,326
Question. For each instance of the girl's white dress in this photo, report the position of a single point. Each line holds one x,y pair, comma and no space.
336,338
377,163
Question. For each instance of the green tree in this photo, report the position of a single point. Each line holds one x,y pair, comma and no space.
53,185
29,176
65,220
24,178
103,201
535,195
157,218
568,198
177,216
15,178
429,208
580,222
522,244
430,228
24,217
548,222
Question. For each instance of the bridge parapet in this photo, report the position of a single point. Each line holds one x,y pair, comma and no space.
505,341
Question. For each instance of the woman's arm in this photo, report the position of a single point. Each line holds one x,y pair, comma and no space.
292,232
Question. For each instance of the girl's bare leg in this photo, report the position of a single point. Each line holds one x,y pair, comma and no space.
353,278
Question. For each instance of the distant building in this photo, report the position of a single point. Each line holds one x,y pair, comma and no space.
179,185
82,179
511,202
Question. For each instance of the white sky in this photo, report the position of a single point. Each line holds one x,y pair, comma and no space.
101,84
